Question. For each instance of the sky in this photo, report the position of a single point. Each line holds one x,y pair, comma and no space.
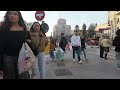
72,17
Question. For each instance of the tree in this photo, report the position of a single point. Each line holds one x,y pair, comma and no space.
84,29
91,30
76,27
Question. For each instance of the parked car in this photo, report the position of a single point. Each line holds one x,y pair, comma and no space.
93,42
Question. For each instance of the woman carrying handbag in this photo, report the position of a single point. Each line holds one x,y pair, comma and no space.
13,35
39,42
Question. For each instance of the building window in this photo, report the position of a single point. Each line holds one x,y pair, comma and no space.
111,23
117,28
118,20
108,22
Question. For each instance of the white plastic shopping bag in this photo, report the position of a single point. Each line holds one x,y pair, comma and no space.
70,46
59,54
26,59
61,50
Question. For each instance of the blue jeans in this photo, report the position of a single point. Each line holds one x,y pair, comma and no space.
52,54
41,64
76,49
118,59
84,52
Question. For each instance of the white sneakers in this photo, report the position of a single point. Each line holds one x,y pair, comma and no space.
86,60
118,69
80,62
74,60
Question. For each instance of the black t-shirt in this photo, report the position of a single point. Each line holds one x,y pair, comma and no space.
63,42
116,42
83,43
12,42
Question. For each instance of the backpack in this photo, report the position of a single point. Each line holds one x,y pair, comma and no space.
64,42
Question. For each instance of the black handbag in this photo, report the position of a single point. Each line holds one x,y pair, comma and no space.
36,51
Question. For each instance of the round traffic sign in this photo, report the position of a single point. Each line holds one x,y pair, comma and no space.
39,15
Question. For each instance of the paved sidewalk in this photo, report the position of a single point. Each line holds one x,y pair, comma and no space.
95,68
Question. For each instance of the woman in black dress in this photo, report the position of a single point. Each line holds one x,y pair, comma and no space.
13,33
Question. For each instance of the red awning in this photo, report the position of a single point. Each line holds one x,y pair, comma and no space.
102,29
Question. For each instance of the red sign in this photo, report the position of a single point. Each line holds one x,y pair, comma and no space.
39,15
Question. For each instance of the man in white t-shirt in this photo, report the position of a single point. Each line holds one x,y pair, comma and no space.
76,44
